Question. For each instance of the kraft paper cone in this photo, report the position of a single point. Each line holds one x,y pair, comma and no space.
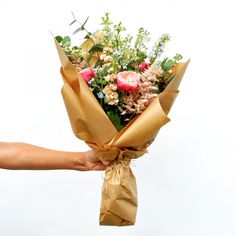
120,192
90,123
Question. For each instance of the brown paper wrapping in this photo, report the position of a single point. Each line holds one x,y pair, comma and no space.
90,123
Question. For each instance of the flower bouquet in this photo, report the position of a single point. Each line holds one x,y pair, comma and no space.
118,95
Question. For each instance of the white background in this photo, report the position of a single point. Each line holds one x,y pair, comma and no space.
187,182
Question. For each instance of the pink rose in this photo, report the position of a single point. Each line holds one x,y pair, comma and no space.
127,81
87,74
144,65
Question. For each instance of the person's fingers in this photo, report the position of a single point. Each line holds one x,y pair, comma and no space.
97,166
83,168
94,158
106,163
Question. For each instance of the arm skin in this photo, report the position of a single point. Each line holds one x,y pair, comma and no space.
22,156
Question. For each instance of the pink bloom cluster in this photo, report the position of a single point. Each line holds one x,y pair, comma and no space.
143,66
87,74
137,101
127,81
137,88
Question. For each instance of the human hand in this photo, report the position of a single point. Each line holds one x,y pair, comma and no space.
89,161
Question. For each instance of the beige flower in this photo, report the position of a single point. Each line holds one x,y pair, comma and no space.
111,96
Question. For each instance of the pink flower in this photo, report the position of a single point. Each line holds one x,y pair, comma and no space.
143,66
127,81
87,74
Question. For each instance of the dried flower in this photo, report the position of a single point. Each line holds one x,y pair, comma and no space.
138,101
111,97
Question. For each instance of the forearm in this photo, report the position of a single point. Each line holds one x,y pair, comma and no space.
25,156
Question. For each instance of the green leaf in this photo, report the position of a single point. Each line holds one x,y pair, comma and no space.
59,38
88,35
98,63
72,22
81,28
85,22
95,48
103,82
164,61
78,30
66,41
130,67
177,57
89,57
167,65
115,119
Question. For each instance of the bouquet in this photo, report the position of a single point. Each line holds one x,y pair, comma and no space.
117,94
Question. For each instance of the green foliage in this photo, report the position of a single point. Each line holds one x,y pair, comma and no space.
95,48
143,37
88,35
125,52
98,63
72,22
115,118
73,52
82,27
167,64
59,38
66,41
106,23
177,58
159,47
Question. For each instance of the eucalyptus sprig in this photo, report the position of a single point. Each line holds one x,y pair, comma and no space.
88,35
74,53
96,47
